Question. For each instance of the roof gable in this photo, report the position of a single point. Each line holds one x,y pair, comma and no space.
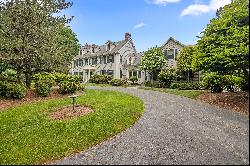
174,40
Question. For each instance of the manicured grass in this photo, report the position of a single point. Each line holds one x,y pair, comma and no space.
186,93
93,84
28,136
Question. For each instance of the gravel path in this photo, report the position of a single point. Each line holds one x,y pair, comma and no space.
173,130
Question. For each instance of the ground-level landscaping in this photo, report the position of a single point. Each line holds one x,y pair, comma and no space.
30,136
186,93
235,101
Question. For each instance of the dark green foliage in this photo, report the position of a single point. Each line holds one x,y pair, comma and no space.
34,37
167,76
66,83
67,87
12,90
224,47
148,84
186,86
134,80
100,79
117,82
214,82
43,88
44,83
233,82
155,84
153,61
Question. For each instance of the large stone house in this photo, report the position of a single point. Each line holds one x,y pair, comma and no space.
118,59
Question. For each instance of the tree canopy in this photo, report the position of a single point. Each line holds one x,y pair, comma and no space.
224,47
34,37
153,61
184,61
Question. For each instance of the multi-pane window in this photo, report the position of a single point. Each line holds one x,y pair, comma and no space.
80,62
100,59
139,74
105,59
134,73
90,62
110,72
86,61
120,73
111,59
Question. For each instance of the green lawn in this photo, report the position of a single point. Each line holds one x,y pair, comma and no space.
93,84
28,136
186,93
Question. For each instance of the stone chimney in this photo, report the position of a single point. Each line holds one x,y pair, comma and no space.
127,36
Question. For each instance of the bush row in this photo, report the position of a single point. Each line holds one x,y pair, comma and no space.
100,79
187,86
67,83
12,90
107,79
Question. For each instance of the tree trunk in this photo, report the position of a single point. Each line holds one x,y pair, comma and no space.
188,77
18,76
28,80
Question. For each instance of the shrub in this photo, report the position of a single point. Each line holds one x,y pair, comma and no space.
59,77
167,76
100,79
214,81
49,78
66,87
134,80
148,84
43,88
44,83
158,85
12,90
232,82
117,82
186,86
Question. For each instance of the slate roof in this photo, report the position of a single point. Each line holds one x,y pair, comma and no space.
101,50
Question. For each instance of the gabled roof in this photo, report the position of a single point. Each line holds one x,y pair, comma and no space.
101,50
173,39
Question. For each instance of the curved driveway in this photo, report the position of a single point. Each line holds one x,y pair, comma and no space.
173,130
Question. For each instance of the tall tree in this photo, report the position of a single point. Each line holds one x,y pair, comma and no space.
224,47
31,35
184,61
153,61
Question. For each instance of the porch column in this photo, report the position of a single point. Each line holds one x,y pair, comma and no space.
88,74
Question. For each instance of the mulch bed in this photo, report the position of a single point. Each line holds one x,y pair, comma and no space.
67,112
236,101
30,97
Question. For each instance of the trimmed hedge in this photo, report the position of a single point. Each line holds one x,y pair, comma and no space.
186,86
67,83
134,80
12,90
117,82
100,79
66,87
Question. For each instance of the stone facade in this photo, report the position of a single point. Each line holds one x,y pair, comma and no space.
118,59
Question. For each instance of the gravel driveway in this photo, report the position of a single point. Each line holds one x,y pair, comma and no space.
173,130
